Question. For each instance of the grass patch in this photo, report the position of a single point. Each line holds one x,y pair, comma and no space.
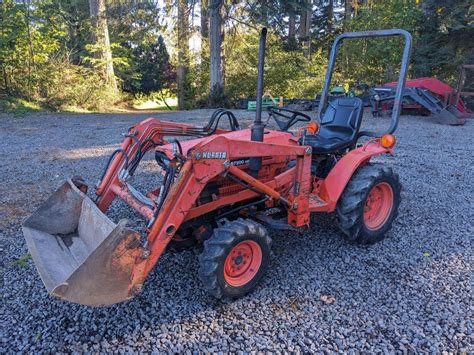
21,261
164,100
19,107
38,336
157,105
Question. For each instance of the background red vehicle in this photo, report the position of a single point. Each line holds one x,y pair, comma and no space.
427,96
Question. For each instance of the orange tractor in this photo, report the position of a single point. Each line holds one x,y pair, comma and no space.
220,188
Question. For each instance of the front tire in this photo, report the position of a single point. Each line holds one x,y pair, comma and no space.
235,258
369,204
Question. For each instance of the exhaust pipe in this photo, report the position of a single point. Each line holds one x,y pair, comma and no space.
257,129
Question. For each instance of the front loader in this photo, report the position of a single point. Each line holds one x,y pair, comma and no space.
222,188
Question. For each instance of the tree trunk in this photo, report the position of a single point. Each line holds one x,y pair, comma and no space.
291,25
183,52
31,56
347,16
215,39
301,29
305,21
305,27
102,40
330,16
204,19
347,10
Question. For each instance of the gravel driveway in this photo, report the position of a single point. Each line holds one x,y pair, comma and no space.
412,292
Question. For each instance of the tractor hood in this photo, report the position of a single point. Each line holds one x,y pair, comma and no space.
171,149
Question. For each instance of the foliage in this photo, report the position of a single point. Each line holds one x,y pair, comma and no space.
22,261
47,55
70,86
287,73
136,29
25,49
440,31
48,59
445,39
18,107
376,61
157,100
154,64
35,62
274,14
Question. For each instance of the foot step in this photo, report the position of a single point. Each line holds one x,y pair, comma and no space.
279,224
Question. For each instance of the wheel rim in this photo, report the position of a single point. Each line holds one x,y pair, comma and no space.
378,206
242,263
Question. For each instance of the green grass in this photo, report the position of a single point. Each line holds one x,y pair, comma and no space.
21,261
156,104
19,107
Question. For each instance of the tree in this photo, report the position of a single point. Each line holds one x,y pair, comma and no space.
102,40
291,25
347,9
289,8
444,31
153,63
376,60
204,19
215,44
330,16
141,59
183,52
305,21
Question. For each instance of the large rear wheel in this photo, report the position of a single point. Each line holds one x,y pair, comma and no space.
235,258
369,204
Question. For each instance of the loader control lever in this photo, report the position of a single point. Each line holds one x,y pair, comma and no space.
290,117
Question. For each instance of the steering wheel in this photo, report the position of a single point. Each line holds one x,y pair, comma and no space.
290,117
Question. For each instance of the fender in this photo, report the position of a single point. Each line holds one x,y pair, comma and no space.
333,186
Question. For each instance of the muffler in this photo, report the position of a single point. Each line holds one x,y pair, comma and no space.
81,255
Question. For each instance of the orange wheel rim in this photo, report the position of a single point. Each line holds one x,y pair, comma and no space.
242,263
378,206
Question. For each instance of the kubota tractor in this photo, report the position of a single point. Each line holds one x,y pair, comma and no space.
220,188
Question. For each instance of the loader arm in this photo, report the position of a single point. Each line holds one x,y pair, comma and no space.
81,255
198,171
140,139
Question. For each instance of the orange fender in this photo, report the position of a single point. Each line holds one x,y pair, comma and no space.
333,186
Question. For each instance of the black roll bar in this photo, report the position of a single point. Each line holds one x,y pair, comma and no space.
401,79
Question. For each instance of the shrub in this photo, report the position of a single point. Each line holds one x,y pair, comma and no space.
67,86
292,74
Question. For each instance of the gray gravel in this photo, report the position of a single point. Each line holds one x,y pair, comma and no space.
412,292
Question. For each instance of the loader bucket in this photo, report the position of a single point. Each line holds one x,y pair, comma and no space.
448,116
81,255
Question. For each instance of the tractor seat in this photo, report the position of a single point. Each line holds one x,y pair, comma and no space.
339,126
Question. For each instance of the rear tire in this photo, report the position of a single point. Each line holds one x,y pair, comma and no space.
235,258
369,204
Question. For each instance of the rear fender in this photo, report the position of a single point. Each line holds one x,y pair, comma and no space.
333,186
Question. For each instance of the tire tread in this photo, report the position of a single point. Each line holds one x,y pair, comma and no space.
351,204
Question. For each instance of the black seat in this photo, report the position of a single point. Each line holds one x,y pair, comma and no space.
339,126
